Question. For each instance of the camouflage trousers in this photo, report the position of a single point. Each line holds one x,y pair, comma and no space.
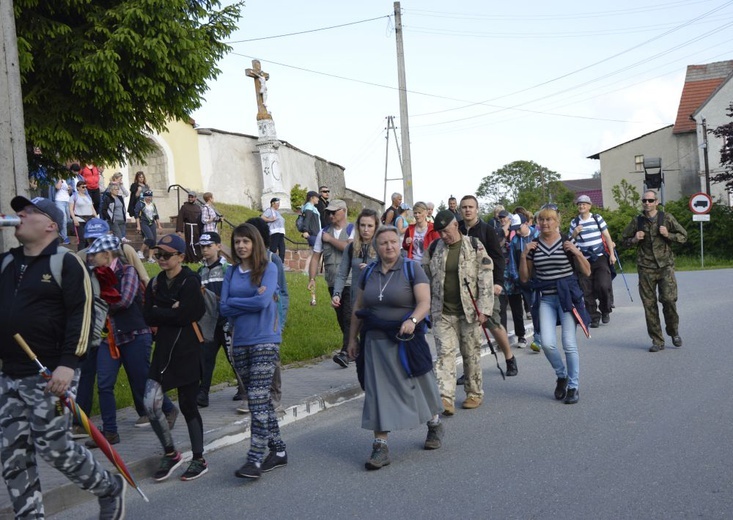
453,335
649,281
31,422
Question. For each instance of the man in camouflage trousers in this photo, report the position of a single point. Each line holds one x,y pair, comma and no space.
449,263
652,233
51,310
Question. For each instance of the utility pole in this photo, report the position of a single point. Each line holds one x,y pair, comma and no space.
705,155
390,126
13,161
404,118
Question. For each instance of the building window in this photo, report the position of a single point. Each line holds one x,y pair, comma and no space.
639,163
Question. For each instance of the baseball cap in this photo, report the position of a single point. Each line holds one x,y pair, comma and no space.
172,244
147,193
104,243
517,221
442,219
336,205
503,213
211,237
311,194
95,228
45,206
191,193
583,198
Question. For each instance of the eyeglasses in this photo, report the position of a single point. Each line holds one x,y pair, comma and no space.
648,201
325,191
164,256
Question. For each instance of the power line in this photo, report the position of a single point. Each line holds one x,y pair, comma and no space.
309,31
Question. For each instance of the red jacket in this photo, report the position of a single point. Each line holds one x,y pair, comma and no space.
430,235
91,177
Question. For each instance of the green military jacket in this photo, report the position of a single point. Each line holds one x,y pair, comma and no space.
654,251
474,265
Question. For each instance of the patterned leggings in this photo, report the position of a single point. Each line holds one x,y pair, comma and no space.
255,365
31,422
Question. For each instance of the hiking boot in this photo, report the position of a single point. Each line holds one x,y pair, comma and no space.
676,341
595,323
273,460
112,438
168,464
196,468
142,421
379,457
521,343
448,407
435,436
78,432
171,418
511,366
573,396
656,348
112,507
561,388
605,317
471,402
202,399
341,359
249,470
461,380
535,347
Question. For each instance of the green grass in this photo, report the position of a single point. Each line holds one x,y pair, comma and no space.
687,263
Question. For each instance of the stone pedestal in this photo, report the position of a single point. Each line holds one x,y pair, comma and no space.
272,182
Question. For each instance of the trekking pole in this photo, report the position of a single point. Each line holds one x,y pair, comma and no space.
620,267
488,340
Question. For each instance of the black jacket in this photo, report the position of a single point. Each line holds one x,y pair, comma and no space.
176,360
54,321
486,234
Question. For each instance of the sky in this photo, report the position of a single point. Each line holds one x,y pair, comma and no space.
488,83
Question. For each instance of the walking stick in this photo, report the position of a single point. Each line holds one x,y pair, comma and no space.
491,346
622,274
92,430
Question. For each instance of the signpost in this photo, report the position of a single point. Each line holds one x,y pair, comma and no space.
700,205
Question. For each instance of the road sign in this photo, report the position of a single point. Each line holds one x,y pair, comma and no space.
701,203
701,218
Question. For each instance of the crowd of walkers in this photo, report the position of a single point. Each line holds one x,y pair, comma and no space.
393,280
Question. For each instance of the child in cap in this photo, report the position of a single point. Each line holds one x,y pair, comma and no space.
147,221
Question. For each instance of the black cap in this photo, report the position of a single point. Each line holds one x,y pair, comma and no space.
442,219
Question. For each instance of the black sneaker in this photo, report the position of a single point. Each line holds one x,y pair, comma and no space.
595,323
379,457
167,466
249,470
573,396
196,468
112,507
435,436
112,438
273,460
341,359
171,418
461,381
511,366
656,348
561,388
202,399
676,341
605,317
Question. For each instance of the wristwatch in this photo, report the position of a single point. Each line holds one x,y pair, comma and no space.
413,319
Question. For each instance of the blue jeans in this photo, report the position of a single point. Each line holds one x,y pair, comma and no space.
64,207
550,313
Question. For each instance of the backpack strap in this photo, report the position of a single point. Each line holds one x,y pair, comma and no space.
408,267
367,274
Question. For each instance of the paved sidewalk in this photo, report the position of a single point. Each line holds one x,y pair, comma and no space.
307,389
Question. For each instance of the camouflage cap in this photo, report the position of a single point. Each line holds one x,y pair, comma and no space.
442,219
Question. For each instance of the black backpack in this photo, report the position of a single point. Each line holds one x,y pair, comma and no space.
300,223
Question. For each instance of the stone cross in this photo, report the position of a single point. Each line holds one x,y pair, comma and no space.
260,78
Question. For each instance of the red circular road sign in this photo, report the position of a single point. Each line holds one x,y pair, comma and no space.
701,203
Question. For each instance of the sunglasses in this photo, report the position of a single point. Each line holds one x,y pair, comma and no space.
165,256
550,206
648,201
325,191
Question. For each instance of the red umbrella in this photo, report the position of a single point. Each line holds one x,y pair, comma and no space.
92,430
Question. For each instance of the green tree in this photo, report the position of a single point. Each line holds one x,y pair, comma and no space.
520,180
99,76
625,195
725,132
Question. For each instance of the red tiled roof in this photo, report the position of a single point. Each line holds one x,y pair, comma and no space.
700,82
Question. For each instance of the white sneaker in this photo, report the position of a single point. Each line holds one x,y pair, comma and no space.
124,241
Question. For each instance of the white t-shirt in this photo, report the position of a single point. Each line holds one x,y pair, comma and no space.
62,194
318,246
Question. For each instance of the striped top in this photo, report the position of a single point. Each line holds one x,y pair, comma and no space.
590,240
550,262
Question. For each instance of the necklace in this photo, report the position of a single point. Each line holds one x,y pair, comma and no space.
382,288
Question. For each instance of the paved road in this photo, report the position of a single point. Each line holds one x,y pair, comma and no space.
649,439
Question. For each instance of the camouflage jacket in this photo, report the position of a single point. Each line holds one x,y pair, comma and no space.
474,265
654,251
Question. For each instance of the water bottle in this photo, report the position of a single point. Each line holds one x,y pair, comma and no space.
9,220
313,299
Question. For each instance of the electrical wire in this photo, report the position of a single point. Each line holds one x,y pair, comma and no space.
308,31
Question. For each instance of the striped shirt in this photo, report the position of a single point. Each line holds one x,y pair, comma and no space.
550,262
590,240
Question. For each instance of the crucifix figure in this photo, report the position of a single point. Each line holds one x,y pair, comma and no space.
260,78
